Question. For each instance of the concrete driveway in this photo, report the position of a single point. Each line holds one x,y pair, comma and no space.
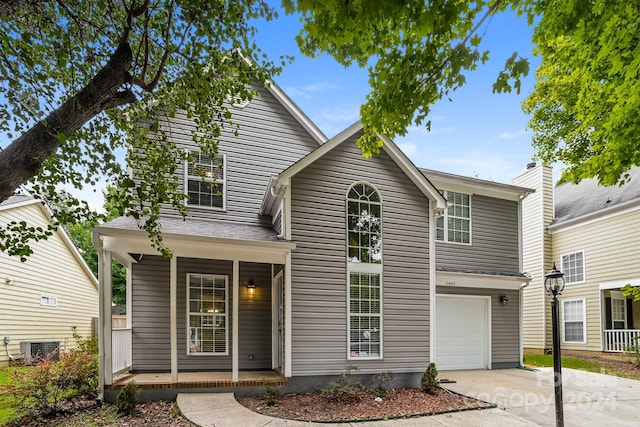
589,399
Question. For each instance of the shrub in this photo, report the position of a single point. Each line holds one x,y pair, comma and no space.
127,398
344,390
381,381
39,391
429,383
635,349
271,393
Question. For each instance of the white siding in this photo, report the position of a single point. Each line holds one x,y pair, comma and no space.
612,252
51,270
537,214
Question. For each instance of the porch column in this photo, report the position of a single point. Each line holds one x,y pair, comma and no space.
106,316
173,310
236,333
287,315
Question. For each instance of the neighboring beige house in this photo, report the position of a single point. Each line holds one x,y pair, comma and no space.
44,297
592,234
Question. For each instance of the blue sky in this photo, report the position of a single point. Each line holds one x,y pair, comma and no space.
479,134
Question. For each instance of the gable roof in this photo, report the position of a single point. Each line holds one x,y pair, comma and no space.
19,200
587,198
392,150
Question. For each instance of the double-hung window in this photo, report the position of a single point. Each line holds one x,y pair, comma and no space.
573,267
455,225
364,267
207,308
205,181
574,320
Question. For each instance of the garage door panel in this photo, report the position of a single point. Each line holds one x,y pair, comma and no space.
461,333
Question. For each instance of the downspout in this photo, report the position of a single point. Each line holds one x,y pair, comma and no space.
95,238
520,320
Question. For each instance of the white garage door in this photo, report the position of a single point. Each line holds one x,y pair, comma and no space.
462,332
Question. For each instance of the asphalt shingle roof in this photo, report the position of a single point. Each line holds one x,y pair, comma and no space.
576,200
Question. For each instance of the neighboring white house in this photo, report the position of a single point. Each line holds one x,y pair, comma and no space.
43,298
592,234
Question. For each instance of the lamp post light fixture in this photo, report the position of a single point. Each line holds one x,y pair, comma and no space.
554,284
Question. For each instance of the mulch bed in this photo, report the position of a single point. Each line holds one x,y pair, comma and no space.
398,403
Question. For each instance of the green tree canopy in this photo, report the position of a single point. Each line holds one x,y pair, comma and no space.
68,69
584,107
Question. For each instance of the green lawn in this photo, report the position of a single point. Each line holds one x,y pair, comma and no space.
567,362
6,404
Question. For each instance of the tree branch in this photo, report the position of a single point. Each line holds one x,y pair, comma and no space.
22,159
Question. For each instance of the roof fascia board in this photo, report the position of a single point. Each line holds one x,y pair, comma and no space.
296,112
287,174
19,204
476,186
422,182
592,217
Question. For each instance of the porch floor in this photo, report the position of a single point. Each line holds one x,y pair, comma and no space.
199,380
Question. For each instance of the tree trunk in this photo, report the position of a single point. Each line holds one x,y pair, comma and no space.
22,159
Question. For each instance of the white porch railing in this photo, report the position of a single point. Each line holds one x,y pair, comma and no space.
619,340
121,349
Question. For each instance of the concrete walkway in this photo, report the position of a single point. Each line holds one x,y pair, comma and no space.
524,398
222,410
590,399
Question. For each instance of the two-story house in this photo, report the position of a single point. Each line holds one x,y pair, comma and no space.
309,260
591,233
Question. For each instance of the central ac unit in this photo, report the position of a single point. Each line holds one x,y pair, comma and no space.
35,351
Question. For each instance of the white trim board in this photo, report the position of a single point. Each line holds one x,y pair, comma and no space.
474,280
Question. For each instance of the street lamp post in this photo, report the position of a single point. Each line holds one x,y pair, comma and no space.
554,284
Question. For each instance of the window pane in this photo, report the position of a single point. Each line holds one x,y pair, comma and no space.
573,312
207,314
364,225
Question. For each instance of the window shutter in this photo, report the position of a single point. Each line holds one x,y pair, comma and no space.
630,313
608,324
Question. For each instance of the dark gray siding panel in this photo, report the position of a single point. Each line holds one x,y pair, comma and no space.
494,248
150,315
319,274
269,140
505,323
151,337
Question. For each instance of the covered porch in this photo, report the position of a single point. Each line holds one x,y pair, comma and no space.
212,316
620,318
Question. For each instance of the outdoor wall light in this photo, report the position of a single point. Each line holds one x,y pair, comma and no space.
504,300
251,286
8,280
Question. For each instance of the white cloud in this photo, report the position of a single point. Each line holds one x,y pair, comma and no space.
310,90
512,135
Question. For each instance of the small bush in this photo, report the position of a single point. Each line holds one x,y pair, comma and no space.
41,389
271,393
381,382
344,390
635,349
429,383
126,399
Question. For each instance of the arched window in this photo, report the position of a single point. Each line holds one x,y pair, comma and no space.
364,222
364,266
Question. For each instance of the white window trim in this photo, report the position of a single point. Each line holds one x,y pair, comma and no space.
584,266
624,311
226,309
48,298
584,321
445,216
222,181
366,268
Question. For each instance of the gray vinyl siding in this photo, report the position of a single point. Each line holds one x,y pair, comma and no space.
150,326
505,329
269,140
494,239
319,275
150,316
